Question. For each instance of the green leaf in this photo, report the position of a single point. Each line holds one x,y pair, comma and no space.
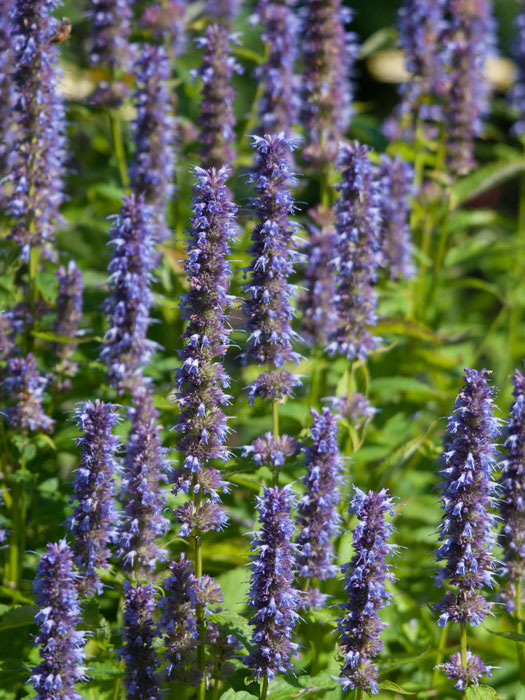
513,636
64,339
236,695
230,622
481,692
19,616
105,670
388,685
484,179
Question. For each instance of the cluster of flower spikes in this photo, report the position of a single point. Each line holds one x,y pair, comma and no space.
320,318
328,55
166,20
268,307
358,254
93,523
467,41
142,678
126,349
360,626
273,600
517,93
154,135
145,468
318,519
216,119
37,152
396,184
201,379
24,386
68,315
467,525
279,103
512,501
61,644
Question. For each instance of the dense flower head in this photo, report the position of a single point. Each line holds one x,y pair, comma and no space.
355,408
167,22
365,576
145,468
93,523
138,635
512,496
201,379
273,600
61,644
271,451
466,530
279,103
68,315
465,675
268,307
328,55
217,119
154,134
223,10
357,254
316,302
36,170
318,519
517,94
395,181
24,388
110,48
126,349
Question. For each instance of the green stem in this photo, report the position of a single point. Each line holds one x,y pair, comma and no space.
515,329
324,185
116,132
201,649
439,656
463,645
275,420
264,689
519,630
215,693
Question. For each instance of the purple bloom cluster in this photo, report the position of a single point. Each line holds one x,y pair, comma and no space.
68,315
201,379
273,599
167,22
318,519
140,659
328,54
360,625
24,386
395,181
217,119
320,317
279,103
223,10
465,675
7,92
357,254
61,644
355,408
154,133
517,95
36,160
93,523
267,307
126,349
110,48
512,502
270,451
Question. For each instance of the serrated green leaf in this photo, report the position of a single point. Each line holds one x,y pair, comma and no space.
481,692
485,178
236,695
105,670
230,622
19,616
388,685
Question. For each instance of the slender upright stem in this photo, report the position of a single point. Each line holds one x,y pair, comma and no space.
264,689
324,182
275,436
440,654
201,649
515,317
116,132
519,630
463,645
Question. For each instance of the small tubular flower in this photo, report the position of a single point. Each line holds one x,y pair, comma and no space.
360,626
24,387
61,644
517,93
357,254
273,600
126,349
93,524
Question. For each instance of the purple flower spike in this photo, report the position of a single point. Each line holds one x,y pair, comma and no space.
329,53
127,350
270,451
217,119
154,133
7,90
517,94
140,659
110,48
360,625
465,675
279,103
318,519
320,318
25,387
267,308
201,379
167,22
395,181
68,315
37,156
273,600
93,524
223,10
357,254
512,502
144,469
61,644
356,409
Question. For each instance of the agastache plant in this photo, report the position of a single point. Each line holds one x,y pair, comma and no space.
273,599
318,519
517,93
61,644
36,161
126,348
110,48
24,387
466,530
68,317
366,574
7,91
216,120
357,254
328,55
93,524
154,135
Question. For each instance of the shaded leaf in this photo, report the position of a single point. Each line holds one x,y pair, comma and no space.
388,685
481,692
19,616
